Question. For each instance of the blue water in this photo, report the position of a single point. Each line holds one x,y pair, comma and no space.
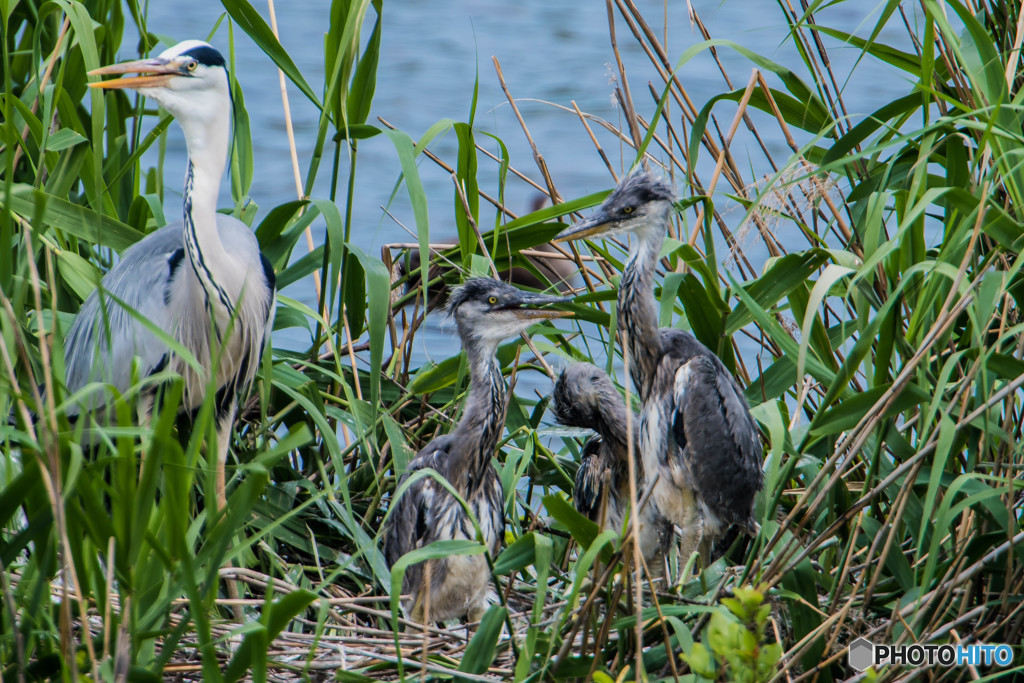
551,53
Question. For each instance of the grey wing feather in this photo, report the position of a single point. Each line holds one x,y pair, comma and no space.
719,438
105,336
410,524
495,508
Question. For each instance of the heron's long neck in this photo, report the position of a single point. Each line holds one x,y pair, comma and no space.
637,311
482,421
207,145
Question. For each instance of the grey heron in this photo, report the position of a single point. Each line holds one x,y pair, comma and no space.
486,311
585,396
696,429
202,281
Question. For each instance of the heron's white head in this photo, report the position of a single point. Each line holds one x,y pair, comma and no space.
641,204
189,80
489,311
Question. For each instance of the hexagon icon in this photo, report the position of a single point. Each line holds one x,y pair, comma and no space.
861,654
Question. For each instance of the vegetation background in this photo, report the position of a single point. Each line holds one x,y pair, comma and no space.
888,303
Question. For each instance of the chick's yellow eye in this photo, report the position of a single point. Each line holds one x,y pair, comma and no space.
492,300
191,66
627,209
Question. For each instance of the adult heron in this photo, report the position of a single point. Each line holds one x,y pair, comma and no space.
696,429
486,311
203,282
585,397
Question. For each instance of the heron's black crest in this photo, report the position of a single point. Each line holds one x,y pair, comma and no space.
584,396
478,288
211,56
206,55
575,396
640,187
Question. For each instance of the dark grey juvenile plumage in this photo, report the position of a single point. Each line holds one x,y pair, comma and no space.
598,458
713,427
486,311
585,396
696,430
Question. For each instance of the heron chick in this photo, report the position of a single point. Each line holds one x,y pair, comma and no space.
696,430
202,281
486,311
585,397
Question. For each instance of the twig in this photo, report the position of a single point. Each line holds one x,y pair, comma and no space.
537,156
297,174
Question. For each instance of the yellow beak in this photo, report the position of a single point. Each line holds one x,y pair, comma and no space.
542,313
529,306
582,230
153,73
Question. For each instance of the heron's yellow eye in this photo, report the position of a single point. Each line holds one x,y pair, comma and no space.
627,209
191,66
492,300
